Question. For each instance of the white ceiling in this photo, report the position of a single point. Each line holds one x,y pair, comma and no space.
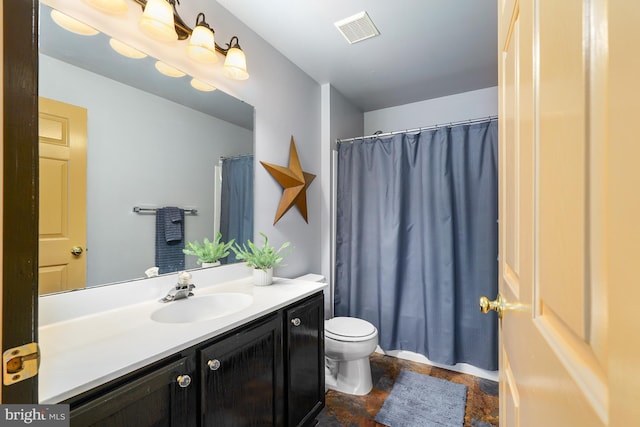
426,48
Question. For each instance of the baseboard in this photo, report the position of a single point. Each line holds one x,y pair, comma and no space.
463,368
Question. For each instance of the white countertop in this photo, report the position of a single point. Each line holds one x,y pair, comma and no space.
114,334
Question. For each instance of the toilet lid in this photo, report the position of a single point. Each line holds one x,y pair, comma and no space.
348,327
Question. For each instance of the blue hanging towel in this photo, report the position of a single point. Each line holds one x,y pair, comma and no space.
173,224
169,239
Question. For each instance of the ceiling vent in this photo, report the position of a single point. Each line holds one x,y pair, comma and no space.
357,28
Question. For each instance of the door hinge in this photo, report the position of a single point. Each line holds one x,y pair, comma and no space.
20,363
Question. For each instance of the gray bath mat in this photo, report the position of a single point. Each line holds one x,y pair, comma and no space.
418,400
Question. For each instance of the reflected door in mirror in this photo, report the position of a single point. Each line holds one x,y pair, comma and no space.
63,171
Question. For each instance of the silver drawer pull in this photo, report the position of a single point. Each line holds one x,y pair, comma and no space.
296,321
214,364
184,381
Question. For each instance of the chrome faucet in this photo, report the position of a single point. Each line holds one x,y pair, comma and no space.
181,290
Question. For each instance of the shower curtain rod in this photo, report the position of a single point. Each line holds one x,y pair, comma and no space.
420,129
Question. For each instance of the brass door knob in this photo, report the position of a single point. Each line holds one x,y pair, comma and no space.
498,305
77,250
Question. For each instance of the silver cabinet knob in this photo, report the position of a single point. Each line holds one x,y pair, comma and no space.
184,381
295,321
214,364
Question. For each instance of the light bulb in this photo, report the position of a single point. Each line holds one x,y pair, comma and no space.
201,86
114,7
157,21
235,65
126,50
168,70
72,24
202,46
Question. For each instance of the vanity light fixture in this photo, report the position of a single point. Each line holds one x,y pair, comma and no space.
201,86
157,21
114,7
126,50
202,45
72,24
161,21
168,70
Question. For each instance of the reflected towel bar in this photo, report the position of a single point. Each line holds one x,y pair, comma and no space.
152,211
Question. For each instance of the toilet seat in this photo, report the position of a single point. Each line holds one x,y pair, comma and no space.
349,329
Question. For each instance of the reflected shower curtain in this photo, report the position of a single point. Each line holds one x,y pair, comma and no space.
417,240
236,204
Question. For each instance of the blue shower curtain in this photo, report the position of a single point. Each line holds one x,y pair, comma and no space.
417,240
236,206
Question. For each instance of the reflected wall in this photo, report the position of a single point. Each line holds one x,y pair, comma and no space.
143,150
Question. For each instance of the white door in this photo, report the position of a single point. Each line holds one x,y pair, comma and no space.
560,173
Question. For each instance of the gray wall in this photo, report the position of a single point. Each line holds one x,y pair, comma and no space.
463,106
142,150
287,102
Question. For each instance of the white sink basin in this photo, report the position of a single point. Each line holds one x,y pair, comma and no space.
198,308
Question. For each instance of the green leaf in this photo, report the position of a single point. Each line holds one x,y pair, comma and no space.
263,257
209,251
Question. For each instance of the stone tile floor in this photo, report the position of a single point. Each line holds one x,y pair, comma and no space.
343,410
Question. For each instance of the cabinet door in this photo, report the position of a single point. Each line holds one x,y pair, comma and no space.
305,361
242,378
160,398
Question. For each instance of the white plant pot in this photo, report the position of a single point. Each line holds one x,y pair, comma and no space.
210,264
262,277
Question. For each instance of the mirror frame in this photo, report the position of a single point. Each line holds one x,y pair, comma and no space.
20,186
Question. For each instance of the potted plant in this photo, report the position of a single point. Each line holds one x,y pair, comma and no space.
262,259
209,253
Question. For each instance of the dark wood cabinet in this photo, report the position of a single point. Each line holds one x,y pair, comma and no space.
269,372
241,378
304,360
158,398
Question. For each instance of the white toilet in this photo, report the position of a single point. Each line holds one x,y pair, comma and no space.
348,343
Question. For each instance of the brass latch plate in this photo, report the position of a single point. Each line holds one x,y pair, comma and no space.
20,363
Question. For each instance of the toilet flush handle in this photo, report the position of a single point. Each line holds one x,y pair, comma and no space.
295,321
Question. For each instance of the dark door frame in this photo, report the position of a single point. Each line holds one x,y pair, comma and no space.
20,186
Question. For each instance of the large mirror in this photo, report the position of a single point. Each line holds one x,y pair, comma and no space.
151,141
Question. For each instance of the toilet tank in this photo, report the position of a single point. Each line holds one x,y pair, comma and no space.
319,278
313,278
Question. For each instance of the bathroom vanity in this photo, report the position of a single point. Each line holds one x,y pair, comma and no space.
260,365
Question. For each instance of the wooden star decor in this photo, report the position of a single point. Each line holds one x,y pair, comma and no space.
294,183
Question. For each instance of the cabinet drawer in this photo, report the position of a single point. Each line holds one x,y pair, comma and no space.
159,398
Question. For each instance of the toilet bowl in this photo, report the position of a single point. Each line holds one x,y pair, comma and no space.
348,343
